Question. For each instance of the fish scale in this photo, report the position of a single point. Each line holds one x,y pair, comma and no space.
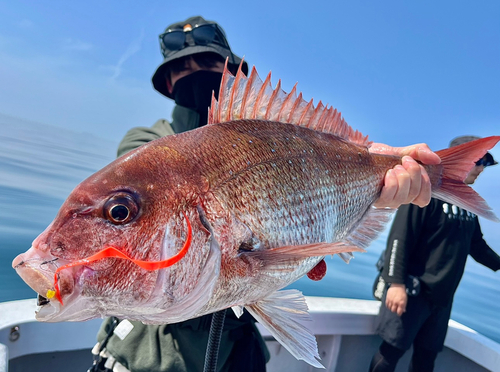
302,165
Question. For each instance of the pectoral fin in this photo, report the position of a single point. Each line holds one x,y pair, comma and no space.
281,314
282,255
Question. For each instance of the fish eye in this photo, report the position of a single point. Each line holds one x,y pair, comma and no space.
120,209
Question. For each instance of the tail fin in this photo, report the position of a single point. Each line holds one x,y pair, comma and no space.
457,162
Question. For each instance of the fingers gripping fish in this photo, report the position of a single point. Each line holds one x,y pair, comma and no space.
226,215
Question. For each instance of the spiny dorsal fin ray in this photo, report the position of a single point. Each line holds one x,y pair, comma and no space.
242,97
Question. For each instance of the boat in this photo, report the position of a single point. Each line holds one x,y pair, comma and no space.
344,329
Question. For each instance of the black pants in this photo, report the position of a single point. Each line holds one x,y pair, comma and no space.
423,325
387,357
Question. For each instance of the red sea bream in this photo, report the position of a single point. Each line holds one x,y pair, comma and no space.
225,216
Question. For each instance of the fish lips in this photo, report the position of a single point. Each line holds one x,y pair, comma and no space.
37,269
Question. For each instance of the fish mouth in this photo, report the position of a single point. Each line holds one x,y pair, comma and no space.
37,269
45,308
51,310
41,301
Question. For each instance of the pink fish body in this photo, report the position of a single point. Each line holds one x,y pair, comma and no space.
246,205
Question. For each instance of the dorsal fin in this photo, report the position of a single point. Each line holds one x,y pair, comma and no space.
243,97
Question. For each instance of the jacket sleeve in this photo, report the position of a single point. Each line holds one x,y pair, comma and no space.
136,137
481,252
403,237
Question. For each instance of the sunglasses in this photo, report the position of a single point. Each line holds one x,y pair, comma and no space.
486,161
174,40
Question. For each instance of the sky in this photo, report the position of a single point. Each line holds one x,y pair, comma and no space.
401,72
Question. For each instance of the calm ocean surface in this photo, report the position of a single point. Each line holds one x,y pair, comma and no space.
40,165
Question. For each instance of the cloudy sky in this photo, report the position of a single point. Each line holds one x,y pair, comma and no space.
400,71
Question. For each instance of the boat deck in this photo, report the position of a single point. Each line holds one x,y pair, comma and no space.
344,329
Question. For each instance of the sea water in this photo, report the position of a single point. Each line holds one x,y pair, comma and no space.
40,165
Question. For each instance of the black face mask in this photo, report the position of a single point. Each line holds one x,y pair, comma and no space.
194,91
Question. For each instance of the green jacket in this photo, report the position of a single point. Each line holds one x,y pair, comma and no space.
183,119
181,347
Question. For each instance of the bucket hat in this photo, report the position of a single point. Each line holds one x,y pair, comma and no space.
462,139
180,40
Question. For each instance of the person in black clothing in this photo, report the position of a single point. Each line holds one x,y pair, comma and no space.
432,244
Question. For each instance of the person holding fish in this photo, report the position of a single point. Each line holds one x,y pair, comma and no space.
223,208
430,246
194,53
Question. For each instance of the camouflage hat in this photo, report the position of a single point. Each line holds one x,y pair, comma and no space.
192,36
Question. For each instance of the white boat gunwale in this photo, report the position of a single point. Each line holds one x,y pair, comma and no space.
330,316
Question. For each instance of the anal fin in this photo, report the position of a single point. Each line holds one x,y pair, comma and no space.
280,314
371,225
